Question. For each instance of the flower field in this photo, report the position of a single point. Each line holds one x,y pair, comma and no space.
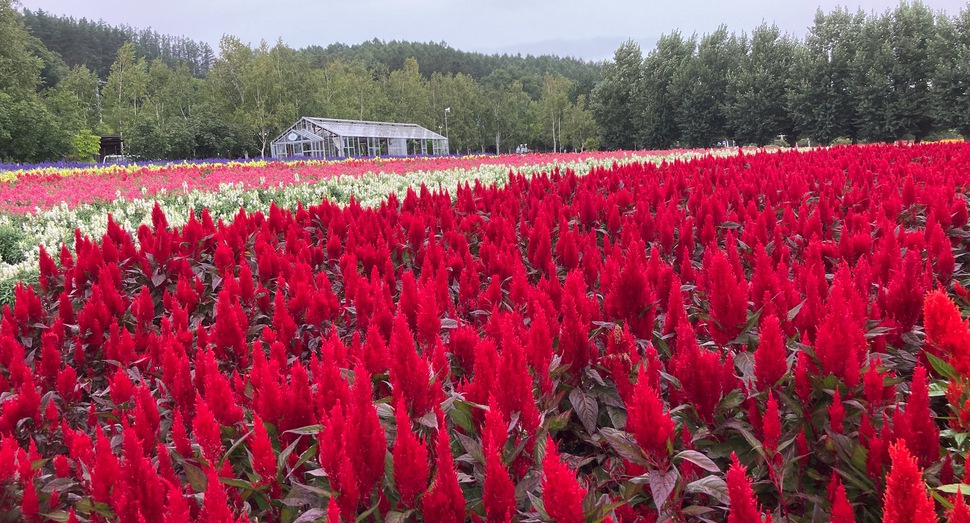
747,338
44,205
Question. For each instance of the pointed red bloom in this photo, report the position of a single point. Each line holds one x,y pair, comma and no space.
770,360
499,491
648,421
771,425
836,413
916,425
410,373
410,458
264,460
947,333
562,495
207,433
444,501
959,513
333,511
841,509
744,504
728,295
215,506
29,505
906,499
177,509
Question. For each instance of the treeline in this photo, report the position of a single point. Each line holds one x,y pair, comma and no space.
903,74
95,44
248,94
490,69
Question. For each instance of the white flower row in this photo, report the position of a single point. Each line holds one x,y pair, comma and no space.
56,226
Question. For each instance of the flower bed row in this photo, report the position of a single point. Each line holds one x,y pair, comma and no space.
32,192
180,190
745,338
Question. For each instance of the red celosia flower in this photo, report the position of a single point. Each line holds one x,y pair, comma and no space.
562,495
410,373
841,511
29,505
106,471
444,501
215,506
499,491
728,295
836,413
264,460
207,432
771,424
177,509
947,333
906,499
770,362
744,504
959,513
916,425
410,458
648,421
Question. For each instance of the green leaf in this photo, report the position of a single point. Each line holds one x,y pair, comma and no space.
586,408
623,444
713,486
698,459
239,483
235,445
953,488
793,312
538,505
196,477
307,455
314,514
309,430
461,414
941,367
58,515
661,485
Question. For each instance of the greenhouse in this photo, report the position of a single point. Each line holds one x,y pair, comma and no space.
330,138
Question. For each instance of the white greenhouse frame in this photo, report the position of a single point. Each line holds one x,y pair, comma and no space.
333,138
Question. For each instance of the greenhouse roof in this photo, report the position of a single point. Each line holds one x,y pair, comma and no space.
367,129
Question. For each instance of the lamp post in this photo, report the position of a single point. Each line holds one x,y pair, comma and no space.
447,141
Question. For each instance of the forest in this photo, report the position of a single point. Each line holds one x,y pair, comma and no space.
869,77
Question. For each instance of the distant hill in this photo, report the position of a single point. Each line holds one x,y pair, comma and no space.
95,44
489,69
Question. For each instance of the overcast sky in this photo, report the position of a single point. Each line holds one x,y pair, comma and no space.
588,29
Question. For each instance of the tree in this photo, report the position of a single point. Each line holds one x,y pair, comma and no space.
508,113
86,145
75,100
757,110
408,97
912,32
19,68
28,131
551,108
951,74
467,118
657,120
126,90
578,126
819,95
702,86
870,85
616,99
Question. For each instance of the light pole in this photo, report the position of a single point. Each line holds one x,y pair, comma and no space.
447,142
